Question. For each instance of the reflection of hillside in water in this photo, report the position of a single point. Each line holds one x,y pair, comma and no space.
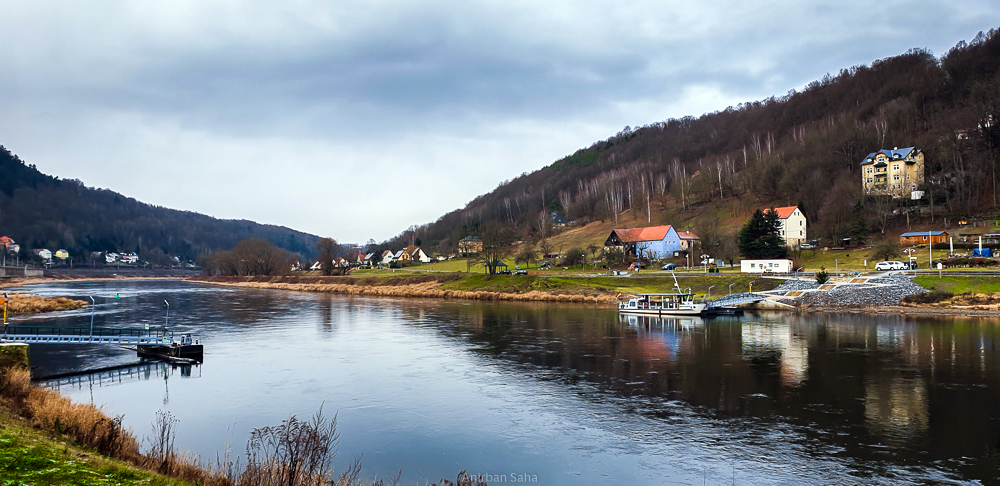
860,382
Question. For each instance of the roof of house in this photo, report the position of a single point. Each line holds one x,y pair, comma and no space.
470,238
398,254
784,212
387,253
649,233
412,249
687,235
922,233
894,154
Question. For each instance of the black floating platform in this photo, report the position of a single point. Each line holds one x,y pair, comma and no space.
163,351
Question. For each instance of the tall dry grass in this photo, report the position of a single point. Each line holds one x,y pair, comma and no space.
427,289
23,304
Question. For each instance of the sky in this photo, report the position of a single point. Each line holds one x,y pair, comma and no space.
358,119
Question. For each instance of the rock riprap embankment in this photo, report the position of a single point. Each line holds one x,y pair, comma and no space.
876,292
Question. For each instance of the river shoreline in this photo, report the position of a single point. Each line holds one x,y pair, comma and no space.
430,287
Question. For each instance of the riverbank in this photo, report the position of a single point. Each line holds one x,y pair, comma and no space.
33,456
43,425
595,289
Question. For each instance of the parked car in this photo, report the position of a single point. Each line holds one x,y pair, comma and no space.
669,266
520,272
545,265
894,265
807,246
504,272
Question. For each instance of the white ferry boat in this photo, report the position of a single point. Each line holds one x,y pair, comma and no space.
665,304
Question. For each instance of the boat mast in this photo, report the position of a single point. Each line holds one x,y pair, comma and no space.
675,282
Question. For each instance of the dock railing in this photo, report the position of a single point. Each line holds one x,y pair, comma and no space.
84,335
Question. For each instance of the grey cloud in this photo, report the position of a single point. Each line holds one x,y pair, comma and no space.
412,85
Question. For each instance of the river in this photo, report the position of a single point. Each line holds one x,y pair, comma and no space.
555,394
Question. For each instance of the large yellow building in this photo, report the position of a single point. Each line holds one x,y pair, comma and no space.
893,172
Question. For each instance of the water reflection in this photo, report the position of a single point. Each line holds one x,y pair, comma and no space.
571,390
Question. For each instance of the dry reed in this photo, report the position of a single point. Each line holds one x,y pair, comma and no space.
23,304
427,289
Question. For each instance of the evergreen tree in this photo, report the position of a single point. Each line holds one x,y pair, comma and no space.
760,237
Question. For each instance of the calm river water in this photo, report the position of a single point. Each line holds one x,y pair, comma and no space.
559,394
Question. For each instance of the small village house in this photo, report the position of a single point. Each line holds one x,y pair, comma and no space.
42,253
923,237
779,265
793,225
416,254
470,245
894,172
62,254
387,257
651,242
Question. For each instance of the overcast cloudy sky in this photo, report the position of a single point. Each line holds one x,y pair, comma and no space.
357,119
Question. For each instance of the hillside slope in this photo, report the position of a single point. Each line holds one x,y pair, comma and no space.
41,211
803,148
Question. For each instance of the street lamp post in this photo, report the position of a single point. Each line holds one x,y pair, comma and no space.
166,322
710,292
93,308
731,288
751,285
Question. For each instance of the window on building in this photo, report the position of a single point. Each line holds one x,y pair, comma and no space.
895,166
895,177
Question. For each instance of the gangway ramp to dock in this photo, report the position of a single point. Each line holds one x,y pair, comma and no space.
737,299
85,335
147,343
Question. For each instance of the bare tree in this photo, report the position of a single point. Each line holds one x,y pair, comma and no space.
326,248
497,244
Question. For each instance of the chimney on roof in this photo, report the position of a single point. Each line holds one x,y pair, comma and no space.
895,148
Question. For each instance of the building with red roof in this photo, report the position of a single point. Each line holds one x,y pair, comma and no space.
793,225
652,241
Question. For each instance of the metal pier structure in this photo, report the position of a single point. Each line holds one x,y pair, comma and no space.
84,335
737,299
147,343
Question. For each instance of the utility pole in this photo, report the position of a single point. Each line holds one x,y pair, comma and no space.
930,250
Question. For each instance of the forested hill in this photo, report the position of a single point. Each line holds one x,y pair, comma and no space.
801,148
41,211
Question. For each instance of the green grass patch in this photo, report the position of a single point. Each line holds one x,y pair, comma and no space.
959,285
556,283
29,456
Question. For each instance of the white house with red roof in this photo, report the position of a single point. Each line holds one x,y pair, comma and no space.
793,225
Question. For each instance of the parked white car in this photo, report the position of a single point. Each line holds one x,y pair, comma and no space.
884,266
